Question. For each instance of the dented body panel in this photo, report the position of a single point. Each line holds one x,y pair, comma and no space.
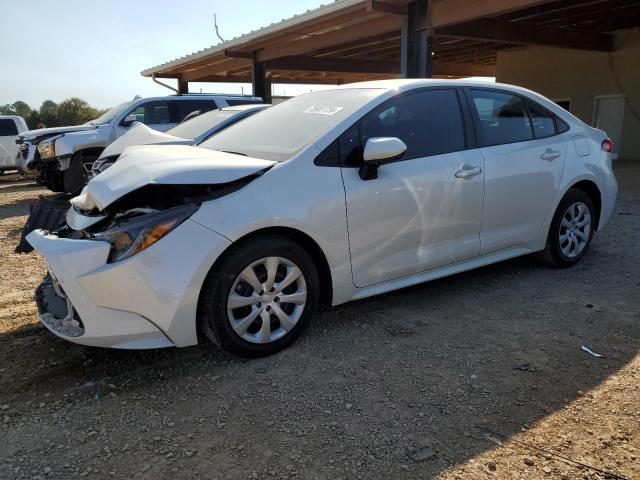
165,165
150,299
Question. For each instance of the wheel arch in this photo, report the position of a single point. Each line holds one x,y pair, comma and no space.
591,189
89,151
307,242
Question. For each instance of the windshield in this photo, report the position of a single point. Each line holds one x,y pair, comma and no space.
108,116
281,131
202,123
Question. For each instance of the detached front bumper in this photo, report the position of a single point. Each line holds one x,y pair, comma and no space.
147,301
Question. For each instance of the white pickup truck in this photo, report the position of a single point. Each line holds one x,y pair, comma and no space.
10,127
61,158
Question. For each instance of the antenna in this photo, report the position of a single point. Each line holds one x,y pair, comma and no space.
215,25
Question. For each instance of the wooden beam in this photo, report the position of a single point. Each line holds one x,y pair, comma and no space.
215,69
377,6
527,34
449,12
451,69
237,54
325,64
330,38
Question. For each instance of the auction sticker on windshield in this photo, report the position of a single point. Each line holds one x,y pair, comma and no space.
323,109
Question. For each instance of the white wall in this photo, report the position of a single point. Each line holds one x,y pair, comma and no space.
581,75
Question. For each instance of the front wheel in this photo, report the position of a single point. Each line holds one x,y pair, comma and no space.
259,299
77,175
571,230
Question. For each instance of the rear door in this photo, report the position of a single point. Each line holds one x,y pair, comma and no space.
418,214
8,147
524,160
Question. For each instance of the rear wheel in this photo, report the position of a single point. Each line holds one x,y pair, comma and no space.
260,297
571,230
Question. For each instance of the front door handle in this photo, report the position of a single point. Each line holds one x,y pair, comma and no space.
468,172
550,154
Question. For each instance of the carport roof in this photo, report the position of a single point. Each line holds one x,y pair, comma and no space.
351,40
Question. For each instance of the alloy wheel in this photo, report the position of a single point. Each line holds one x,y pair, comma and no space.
266,300
575,229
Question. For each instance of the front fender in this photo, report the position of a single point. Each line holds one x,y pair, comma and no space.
73,142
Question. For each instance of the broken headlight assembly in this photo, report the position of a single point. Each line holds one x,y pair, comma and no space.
47,149
131,235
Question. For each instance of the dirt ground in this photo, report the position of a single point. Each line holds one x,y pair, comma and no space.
393,387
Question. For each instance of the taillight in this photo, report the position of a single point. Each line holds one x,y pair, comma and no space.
608,145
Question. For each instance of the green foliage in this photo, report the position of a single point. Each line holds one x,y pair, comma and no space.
49,113
72,111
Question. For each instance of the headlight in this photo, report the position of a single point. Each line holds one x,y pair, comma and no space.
132,236
47,149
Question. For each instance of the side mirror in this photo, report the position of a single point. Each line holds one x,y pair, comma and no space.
378,150
129,120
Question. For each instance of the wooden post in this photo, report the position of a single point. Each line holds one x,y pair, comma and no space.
183,87
261,86
416,44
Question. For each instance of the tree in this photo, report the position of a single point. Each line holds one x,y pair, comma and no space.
33,119
49,113
75,111
18,108
22,109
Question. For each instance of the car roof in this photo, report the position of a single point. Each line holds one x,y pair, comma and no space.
198,96
411,83
245,107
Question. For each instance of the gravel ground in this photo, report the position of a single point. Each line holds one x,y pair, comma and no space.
393,387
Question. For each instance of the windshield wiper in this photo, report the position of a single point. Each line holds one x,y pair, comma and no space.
234,153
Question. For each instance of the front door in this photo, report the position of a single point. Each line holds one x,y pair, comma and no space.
524,160
417,214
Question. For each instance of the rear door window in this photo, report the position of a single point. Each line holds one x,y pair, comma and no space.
8,128
503,117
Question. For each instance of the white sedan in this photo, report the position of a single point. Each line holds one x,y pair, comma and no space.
328,197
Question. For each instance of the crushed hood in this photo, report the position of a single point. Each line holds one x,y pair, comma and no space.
49,132
145,165
140,134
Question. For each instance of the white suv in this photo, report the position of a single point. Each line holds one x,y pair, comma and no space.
62,157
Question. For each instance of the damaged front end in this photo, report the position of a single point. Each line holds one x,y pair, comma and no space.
113,279
55,310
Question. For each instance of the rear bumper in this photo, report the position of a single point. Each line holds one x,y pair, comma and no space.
609,198
147,301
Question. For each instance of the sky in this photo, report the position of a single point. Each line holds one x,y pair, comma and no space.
96,49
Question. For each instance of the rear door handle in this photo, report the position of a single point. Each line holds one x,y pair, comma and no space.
550,154
468,172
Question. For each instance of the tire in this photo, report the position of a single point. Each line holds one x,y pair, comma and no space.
566,253
76,176
233,328
53,183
